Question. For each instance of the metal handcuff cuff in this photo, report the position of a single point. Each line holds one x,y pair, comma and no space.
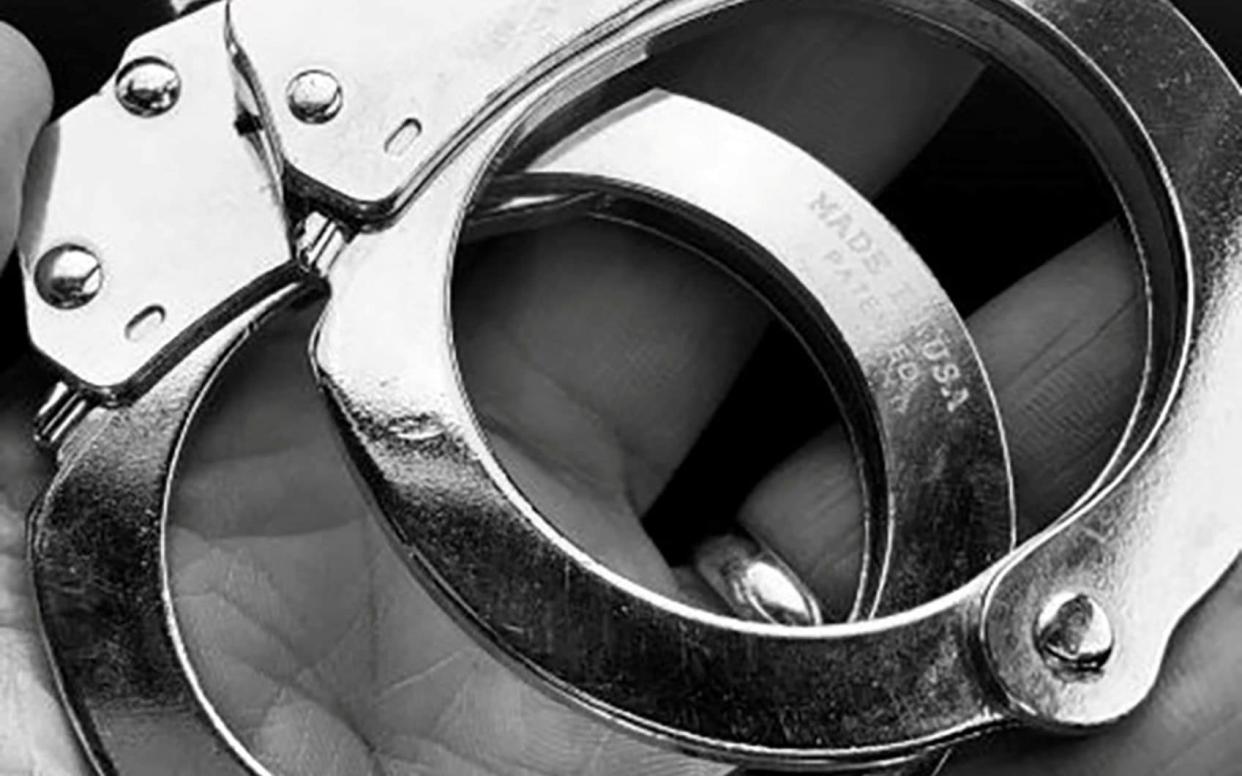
291,144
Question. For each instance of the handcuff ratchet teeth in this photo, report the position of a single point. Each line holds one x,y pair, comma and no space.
255,151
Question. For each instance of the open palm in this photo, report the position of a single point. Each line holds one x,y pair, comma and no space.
594,356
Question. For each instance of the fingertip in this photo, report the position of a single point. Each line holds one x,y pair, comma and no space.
27,88
809,512
25,105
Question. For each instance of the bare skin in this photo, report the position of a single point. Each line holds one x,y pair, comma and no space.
595,357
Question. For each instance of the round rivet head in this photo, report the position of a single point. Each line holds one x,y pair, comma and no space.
148,87
315,96
68,277
1073,634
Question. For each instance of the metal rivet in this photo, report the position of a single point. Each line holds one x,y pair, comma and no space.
148,87
1073,633
315,96
68,277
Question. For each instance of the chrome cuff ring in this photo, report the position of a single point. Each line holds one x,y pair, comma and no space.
367,196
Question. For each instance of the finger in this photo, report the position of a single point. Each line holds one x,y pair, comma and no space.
27,102
861,95
596,356
311,637
35,736
1063,348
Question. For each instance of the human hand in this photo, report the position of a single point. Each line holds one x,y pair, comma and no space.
594,356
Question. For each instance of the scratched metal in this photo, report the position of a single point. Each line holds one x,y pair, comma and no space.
97,548
1162,115
866,306
838,695
99,534
1151,546
75,196
737,691
459,64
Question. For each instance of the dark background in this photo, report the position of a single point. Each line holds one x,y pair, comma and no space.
1001,158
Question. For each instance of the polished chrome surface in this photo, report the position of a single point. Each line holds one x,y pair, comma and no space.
1154,537
315,97
754,583
595,637
938,484
179,209
1149,546
837,691
1074,634
148,87
446,67
131,695
68,277
97,551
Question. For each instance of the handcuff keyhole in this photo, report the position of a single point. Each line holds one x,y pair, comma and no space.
403,137
145,323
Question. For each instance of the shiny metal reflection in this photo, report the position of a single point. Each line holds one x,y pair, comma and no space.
755,583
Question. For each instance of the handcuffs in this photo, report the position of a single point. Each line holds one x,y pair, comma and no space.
275,148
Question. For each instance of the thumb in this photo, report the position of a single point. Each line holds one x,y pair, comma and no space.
25,104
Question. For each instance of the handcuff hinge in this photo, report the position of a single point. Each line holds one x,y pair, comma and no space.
60,415
320,241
